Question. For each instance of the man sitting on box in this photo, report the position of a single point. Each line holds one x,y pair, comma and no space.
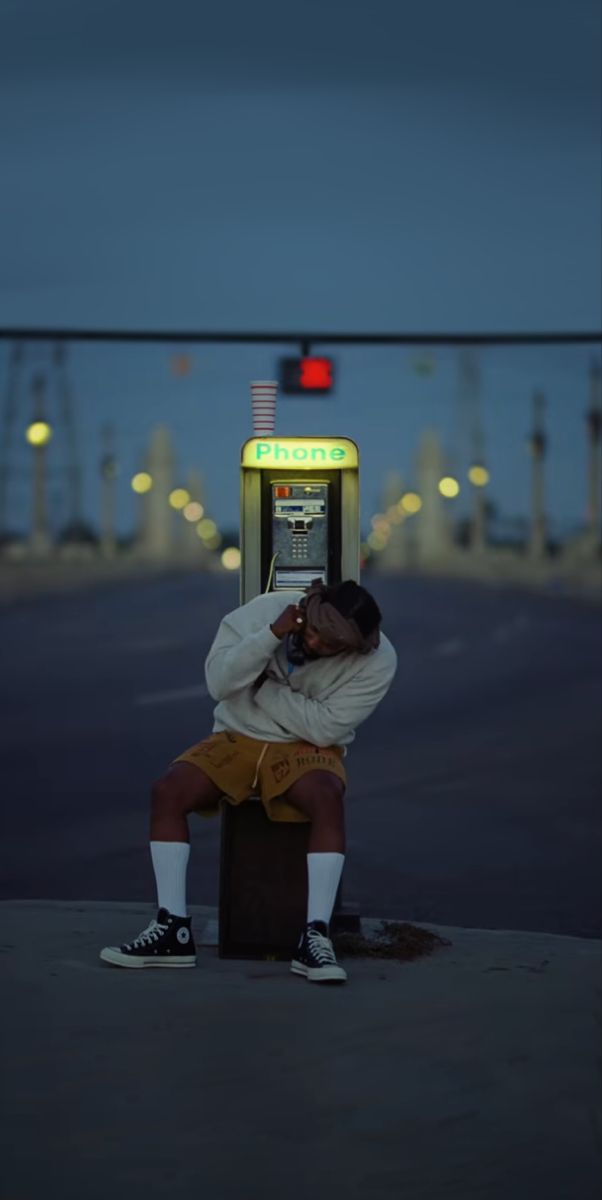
292,682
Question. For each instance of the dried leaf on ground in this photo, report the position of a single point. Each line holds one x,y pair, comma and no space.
395,939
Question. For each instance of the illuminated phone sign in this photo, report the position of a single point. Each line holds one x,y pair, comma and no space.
301,453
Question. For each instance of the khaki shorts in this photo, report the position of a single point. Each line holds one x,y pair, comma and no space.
243,767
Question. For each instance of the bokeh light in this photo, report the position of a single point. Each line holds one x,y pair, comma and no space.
206,528
38,433
142,482
194,511
231,558
479,476
395,514
449,487
179,498
411,502
376,541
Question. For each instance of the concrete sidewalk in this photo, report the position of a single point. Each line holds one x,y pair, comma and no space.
471,1073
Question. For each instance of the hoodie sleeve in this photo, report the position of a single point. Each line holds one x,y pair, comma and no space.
329,722
238,656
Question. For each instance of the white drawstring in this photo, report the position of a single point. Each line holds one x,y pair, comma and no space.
259,762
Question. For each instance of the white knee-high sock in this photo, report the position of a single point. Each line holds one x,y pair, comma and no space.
170,860
323,877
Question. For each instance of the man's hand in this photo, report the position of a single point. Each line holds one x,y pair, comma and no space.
289,621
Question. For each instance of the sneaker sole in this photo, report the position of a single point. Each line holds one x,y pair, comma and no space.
319,974
117,959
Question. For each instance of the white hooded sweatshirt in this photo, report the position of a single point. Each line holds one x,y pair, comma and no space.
321,702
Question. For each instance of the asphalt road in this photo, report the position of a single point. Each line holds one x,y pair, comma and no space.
474,789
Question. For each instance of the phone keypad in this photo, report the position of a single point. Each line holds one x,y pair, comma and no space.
300,546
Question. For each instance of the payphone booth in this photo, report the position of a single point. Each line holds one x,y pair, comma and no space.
299,513
299,521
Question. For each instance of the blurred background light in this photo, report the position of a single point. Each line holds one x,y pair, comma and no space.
194,511
142,482
411,502
179,498
449,487
206,528
479,476
231,558
38,433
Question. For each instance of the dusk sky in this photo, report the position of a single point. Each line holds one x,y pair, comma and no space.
332,166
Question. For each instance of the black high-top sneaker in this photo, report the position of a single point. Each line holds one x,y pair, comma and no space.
167,942
315,956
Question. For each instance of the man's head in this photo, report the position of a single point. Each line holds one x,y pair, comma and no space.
342,617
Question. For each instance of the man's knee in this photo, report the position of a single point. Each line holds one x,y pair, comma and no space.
183,788
318,793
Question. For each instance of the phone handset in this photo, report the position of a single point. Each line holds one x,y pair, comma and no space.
294,649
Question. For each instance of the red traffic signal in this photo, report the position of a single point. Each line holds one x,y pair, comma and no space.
299,376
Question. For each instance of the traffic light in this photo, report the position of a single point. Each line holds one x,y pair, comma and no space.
306,375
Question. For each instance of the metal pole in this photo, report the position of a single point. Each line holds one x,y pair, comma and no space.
108,472
39,540
352,339
470,400
9,417
74,474
594,421
538,441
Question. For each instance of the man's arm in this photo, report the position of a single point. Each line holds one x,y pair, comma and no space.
238,657
328,722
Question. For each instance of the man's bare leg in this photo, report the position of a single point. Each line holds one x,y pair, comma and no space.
319,796
183,789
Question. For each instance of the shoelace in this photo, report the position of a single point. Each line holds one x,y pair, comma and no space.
321,946
149,935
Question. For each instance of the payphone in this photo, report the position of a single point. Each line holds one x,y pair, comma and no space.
299,522
299,513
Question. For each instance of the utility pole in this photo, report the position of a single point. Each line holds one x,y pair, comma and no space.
472,424
9,418
156,535
108,475
538,446
594,421
38,436
43,374
65,414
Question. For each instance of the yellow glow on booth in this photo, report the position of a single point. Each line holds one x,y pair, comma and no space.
305,454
